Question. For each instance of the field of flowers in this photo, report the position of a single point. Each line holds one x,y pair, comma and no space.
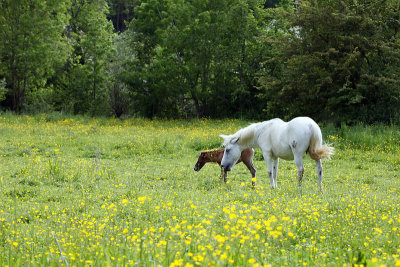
77,191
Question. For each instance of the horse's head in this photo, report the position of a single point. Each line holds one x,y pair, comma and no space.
201,161
232,151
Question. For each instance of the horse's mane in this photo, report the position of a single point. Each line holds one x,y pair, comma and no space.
245,135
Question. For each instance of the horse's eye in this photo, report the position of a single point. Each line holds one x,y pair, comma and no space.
227,150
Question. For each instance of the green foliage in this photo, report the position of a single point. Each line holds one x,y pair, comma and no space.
335,61
31,45
340,62
120,97
198,56
3,89
40,101
121,13
82,80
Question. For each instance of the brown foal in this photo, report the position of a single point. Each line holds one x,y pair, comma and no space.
216,156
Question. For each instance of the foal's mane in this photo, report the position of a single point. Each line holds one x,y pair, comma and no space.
212,151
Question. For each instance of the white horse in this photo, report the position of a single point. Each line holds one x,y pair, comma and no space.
279,139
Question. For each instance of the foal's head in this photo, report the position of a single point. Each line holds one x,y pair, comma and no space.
201,161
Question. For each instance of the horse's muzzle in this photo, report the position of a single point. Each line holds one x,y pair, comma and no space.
227,168
196,169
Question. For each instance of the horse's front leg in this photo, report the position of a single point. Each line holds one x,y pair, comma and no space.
275,171
268,160
298,159
223,175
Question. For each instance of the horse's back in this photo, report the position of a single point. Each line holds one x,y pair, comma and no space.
301,130
302,121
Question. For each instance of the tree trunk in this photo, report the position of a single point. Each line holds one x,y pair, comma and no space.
197,106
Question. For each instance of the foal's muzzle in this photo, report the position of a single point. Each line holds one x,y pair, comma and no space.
196,169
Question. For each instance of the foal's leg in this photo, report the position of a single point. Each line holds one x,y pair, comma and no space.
250,166
253,175
268,160
298,159
319,173
275,171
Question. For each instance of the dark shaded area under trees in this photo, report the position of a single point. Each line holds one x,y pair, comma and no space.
334,60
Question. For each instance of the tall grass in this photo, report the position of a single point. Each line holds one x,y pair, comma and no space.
378,136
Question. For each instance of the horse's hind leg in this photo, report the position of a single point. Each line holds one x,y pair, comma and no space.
298,159
319,173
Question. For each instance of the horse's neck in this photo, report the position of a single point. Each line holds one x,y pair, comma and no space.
263,130
254,142
250,136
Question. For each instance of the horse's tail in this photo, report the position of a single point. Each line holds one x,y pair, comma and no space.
317,150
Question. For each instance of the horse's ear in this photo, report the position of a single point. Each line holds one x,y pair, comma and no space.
225,137
235,140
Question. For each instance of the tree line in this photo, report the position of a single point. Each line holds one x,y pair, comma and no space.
333,60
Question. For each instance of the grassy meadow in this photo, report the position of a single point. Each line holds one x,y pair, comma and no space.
77,191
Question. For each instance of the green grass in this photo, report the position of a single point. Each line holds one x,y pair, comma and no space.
110,192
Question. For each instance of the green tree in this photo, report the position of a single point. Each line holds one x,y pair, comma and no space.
121,13
271,3
340,63
121,101
3,89
82,81
205,51
238,59
31,44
